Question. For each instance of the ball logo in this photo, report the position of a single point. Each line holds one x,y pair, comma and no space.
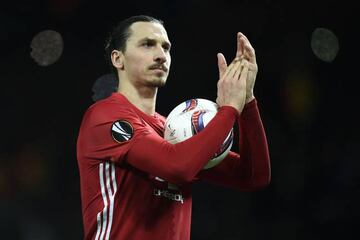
121,131
197,121
190,105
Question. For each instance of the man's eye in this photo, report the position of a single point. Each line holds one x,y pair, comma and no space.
147,44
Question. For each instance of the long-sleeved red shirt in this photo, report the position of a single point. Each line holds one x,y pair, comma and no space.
136,185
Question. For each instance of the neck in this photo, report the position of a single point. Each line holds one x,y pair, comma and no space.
143,97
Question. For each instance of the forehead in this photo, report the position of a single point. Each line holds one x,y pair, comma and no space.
152,30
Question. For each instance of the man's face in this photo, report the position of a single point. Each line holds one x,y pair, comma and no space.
147,55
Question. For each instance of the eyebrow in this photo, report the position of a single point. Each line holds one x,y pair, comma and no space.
168,44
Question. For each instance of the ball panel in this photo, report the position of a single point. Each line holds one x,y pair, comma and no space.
222,152
216,160
178,128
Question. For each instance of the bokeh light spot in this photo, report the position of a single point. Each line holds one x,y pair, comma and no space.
47,47
324,44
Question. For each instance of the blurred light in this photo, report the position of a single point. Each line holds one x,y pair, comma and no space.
32,170
300,95
324,44
47,47
104,86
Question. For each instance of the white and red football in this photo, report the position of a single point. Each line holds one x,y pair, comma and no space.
189,118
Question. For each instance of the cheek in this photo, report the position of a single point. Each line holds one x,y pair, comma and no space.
135,65
137,70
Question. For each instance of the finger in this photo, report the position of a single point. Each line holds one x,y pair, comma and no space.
248,50
250,66
222,65
245,41
241,35
238,70
244,73
240,46
229,68
232,72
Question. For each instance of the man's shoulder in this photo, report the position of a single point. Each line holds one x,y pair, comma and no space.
111,104
110,109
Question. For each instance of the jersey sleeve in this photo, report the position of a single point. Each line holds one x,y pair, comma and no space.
250,169
181,162
109,131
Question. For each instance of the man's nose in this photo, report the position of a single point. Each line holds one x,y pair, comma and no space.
160,55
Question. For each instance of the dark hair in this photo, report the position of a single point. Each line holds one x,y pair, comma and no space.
121,33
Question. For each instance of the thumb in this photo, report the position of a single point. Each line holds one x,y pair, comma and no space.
221,64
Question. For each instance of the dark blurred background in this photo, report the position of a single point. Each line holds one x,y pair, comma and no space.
306,90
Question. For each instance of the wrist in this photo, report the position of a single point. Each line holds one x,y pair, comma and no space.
231,109
249,98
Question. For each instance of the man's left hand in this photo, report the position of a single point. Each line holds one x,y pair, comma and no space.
245,52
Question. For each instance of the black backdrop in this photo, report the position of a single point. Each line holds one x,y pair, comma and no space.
309,110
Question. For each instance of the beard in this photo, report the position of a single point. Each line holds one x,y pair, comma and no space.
157,82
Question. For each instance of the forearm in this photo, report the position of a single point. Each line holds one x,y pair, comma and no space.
250,169
253,147
182,161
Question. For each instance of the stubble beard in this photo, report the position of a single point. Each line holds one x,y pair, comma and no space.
158,82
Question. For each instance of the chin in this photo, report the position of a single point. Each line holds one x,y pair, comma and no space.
158,82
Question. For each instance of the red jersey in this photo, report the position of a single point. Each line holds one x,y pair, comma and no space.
136,185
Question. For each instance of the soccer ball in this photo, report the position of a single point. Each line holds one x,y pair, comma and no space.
189,118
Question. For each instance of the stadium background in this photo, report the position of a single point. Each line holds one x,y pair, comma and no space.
308,104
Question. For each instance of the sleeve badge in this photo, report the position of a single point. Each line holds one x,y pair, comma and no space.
121,131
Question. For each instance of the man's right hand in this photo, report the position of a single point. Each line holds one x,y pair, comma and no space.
232,83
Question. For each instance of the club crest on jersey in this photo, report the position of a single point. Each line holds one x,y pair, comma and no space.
121,131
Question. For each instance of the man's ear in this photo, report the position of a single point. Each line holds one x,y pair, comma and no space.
117,59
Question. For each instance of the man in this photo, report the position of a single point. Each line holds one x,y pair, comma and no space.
134,184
